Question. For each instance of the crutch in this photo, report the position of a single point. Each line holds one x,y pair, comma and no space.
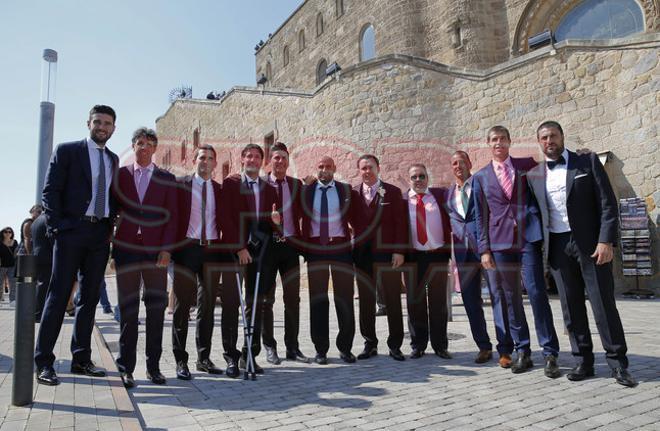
247,333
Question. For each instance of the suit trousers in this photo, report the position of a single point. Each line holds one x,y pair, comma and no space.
427,299
574,271
282,258
85,248
230,299
469,275
374,269
319,269
510,322
196,277
534,280
133,271
43,279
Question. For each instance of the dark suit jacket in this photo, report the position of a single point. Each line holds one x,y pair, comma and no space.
307,211
155,216
590,201
384,221
440,195
502,222
42,244
68,187
295,188
236,218
464,229
184,202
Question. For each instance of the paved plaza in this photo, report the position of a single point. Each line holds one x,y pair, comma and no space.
428,393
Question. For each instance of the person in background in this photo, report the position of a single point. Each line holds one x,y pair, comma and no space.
8,248
42,248
25,246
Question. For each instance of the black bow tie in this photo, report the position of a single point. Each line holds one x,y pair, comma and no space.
553,163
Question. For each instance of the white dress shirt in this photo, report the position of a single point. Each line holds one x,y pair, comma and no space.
147,170
555,190
92,148
335,226
195,223
289,228
467,185
369,192
434,230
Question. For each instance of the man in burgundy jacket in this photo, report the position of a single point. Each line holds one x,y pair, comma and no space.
247,231
380,241
145,234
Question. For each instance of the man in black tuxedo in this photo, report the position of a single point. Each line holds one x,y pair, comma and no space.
579,211
79,210
197,273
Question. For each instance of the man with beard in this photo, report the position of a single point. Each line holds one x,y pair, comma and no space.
79,212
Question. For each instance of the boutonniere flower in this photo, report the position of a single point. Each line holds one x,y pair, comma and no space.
381,191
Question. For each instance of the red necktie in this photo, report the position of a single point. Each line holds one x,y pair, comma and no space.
421,220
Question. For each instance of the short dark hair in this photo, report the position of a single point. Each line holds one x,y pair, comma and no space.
548,124
462,153
36,207
279,146
368,157
206,147
145,132
103,109
249,147
418,165
498,129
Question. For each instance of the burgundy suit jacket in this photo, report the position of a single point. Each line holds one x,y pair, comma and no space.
440,194
384,221
235,215
155,216
184,202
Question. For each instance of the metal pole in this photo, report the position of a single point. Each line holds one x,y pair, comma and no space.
23,375
46,116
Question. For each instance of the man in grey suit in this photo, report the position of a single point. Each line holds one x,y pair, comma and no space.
579,212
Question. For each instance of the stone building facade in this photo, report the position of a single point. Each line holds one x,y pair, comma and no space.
442,73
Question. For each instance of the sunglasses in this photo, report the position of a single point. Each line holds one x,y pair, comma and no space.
417,177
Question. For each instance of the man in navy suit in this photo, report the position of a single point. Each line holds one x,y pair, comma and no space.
580,223
460,204
79,210
429,244
145,235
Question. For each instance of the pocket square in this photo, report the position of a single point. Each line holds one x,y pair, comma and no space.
580,176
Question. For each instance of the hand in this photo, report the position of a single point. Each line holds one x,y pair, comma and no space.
397,260
309,179
487,261
275,216
604,253
244,256
163,259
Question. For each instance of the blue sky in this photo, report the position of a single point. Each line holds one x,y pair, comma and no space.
126,54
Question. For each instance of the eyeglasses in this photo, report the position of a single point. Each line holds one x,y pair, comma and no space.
417,177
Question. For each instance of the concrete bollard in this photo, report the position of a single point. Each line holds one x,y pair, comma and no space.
23,376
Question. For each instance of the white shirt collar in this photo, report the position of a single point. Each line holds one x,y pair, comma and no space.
564,155
273,180
319,184
412,193
149,167
92,145
199,180
507,162
246,179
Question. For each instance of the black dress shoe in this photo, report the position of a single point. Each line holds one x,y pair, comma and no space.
46,376
522,363
127,379
381,311
367,353
443,353
397,355
321,359
623,377
232,369
416,354
257,369
272,357
347,357
207,366
182,371
156,377
296,355
87,369
580,372
551,369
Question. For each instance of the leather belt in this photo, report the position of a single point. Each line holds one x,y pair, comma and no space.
94,219
331,240
203,243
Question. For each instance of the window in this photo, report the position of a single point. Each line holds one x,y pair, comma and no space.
601,19
340,8
320,71
183,150
225,170
367,43
269,140
319,24
196,138
269,72
285,56
301,40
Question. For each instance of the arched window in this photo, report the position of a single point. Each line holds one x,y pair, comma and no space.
320,71
339,8
301,40
269,72
319,24
601,19
285,56
367,43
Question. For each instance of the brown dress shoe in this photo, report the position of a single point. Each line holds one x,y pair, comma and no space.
505,360
483,356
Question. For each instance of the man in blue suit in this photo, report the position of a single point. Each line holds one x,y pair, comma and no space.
460,206
79,211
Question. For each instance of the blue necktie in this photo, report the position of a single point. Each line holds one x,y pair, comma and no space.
99,204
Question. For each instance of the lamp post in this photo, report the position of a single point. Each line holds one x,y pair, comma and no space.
47,116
